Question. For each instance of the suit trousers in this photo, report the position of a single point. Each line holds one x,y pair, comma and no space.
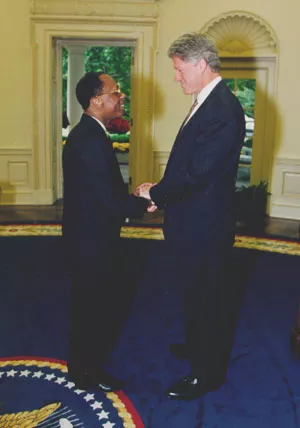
203,273
95,322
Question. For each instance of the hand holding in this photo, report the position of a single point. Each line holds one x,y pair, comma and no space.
143,190
152,207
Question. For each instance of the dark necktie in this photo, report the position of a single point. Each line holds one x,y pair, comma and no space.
182,126
190,111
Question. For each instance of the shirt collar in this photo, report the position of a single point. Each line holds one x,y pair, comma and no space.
207,90
100,123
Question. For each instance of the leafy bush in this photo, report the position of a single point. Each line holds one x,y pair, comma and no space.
120,138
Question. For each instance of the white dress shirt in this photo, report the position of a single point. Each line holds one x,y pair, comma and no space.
204,94
100,123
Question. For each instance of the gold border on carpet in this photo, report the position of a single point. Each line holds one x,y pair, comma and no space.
155,233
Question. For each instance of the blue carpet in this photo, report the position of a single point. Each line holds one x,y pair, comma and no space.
263,388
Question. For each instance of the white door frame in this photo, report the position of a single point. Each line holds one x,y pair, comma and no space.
263,70
45,32
57,80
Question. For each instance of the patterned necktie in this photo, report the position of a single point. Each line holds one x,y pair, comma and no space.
195,103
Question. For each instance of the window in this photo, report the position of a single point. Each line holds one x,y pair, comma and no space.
245,89
253,83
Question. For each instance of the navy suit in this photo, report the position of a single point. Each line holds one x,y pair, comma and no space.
95,206
197,195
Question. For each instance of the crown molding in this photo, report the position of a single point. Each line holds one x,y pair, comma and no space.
96,8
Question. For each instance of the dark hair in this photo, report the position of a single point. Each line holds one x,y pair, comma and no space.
89,86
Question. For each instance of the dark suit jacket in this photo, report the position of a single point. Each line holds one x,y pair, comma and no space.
95,199
197,189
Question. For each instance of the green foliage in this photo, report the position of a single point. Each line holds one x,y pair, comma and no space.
65,69
246,97
230,83
248,143
115,61
112,60
120,138
244,89
246,84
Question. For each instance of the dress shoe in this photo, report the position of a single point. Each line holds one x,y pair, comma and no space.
105,382
81,380
179,350
109,383
191,387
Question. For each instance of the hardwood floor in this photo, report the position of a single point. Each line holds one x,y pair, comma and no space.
35,214
31,213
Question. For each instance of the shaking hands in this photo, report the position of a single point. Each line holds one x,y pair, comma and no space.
143,190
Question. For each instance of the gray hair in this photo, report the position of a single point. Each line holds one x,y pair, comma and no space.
191,47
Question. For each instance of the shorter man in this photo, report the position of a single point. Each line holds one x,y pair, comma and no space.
96,204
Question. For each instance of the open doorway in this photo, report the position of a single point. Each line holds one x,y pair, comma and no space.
252,81
48,35
76,57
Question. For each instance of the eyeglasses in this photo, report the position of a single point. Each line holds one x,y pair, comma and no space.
117,91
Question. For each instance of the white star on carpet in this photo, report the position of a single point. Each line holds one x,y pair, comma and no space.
70,385
49,376
96,405
103,415
108,425
89,397
79,391
1,374
38,374
60,380
12,373
24,373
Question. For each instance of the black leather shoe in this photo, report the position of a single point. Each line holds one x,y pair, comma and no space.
82,380
108,383
191,387
179,350
105,381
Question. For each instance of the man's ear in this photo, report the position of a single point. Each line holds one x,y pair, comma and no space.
202,64
96,101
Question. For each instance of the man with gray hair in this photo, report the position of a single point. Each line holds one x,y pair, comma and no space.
197,195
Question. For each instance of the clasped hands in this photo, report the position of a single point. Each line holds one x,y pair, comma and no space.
143,190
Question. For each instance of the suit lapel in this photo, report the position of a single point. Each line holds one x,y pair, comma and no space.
195,118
